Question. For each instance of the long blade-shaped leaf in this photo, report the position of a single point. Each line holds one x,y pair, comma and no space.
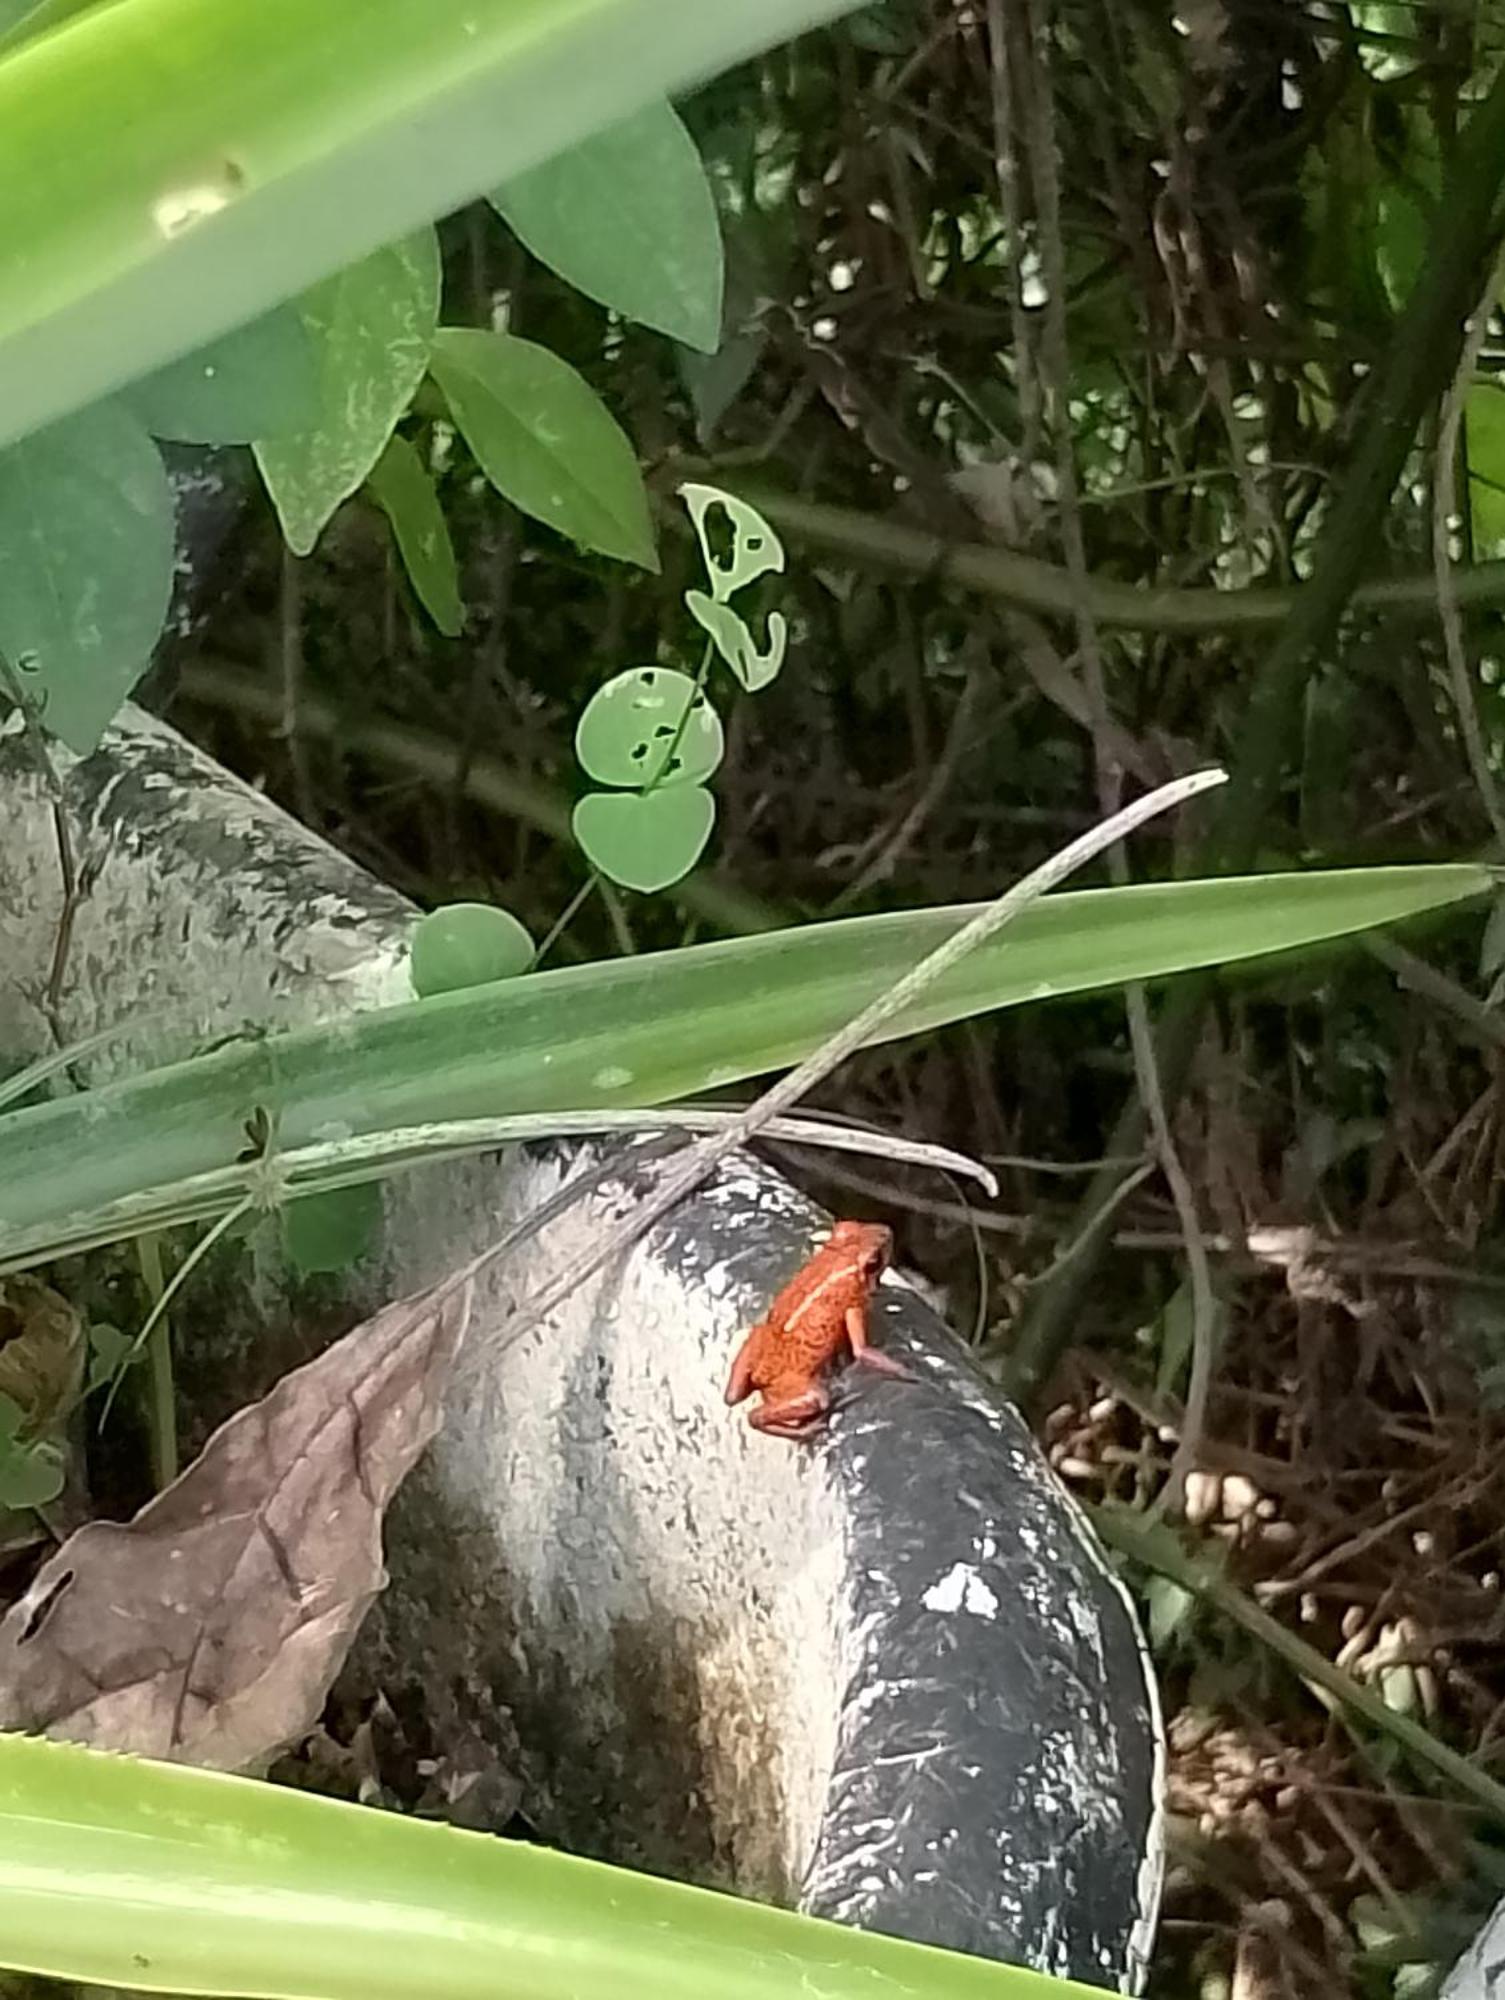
160,1878
649,1029
169,170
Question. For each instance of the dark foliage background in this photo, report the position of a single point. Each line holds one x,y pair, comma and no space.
1121,290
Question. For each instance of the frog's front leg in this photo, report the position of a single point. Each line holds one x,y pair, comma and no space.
739,1384
864,1351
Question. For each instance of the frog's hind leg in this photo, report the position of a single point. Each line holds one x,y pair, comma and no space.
864,1351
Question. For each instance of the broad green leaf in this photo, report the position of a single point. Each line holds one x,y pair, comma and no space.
756,550
645,840
333,1230
401,485
30,1475
21,19
260,381
628,218
467,944
630,727
1484,420
119,1871
546,441
372,327
86,563
170,170
732,637
674,1023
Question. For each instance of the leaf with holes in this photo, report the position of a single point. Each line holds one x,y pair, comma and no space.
86,563
372,326
467,944
261,381
401,485
645,840
730,634
629,219
546,441
756,549
631,723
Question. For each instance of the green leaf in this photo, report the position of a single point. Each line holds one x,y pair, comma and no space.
269,143
401,485
733,640
629,219
676,1023
372,327
86,564
120,1871
1484,420
260,381
332,1231
111,1352
30,1477
631,724
21,19
645,840
756,550
467,944
715,381
546,441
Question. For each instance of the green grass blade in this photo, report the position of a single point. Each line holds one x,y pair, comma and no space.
160,1878
650,1029
169,170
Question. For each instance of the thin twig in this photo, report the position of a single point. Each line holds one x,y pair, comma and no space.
1154,1546
959,741
290,672
1444,507
1041,139
1011,207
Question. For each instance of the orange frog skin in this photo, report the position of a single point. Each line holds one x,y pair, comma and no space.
819,1312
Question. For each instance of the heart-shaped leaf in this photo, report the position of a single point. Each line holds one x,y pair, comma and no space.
546,441
645,840
467,944
261,381
629,219
372,327
401,485
86,564
733,639
649,726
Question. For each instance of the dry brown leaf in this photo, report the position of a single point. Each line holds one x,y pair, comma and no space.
210,1627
